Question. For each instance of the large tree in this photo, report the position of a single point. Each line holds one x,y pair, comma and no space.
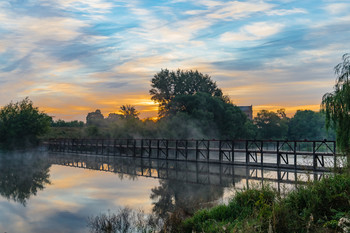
94,118
21,123
210,115
337,105
307,124
271,125
166,85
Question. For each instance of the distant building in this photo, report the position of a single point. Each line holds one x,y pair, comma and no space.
248,110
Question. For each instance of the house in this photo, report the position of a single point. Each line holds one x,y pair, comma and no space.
248,110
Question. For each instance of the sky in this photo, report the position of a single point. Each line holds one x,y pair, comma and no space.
71,57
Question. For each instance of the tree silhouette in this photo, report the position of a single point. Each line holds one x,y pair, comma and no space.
166,85
129,112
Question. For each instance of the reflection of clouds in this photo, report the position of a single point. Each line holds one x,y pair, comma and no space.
75,194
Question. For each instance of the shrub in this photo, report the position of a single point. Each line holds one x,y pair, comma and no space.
21,123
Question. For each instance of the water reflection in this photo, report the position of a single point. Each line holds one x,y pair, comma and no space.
70,188
23,175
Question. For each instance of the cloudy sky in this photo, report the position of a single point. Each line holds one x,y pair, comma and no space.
73,56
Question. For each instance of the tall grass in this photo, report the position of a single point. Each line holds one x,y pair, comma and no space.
322,206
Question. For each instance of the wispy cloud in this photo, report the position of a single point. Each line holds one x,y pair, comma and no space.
255,31
103,53
337,8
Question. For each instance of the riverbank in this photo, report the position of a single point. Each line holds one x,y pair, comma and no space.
321,206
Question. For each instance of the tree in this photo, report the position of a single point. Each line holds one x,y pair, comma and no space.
211,116
336,106
21,124
129,112
271,125
166,85
113,117
307,124
94,118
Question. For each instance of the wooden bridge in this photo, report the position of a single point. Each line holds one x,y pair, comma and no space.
306,155
217,174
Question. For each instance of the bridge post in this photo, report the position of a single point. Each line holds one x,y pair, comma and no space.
120,147
114,146
208,150
314,158
96,149
102,144
134,148
158,149
149,148
233,151
127,147
246,152
167,148
141,148
262,153
197,150
335,154
176,149
220,152
278,154
295,155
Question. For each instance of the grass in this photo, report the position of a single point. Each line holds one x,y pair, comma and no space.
321,206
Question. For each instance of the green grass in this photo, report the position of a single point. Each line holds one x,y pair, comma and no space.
316,207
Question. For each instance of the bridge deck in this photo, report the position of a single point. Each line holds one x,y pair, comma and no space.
309,155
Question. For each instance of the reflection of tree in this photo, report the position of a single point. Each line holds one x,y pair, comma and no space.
174,200
21,176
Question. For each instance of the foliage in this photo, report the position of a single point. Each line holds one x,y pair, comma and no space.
65,132
166,85
318,207
112,117
271,125
211,114
95,118
307,124
62,123
337,105
224,218
129,112
21,123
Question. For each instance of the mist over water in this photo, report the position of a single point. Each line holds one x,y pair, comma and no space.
43,191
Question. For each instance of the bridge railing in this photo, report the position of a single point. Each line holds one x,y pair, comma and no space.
316,155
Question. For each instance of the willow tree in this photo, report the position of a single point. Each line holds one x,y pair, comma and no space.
337,106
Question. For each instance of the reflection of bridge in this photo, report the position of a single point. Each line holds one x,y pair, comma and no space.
310,155
225,175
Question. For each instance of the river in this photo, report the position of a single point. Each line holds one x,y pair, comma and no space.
43,191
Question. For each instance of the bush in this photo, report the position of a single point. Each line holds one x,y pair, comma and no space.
224,218
21,123
318,207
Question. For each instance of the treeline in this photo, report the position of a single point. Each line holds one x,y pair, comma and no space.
192,106
305,124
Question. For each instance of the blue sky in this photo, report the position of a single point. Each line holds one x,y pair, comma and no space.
73,56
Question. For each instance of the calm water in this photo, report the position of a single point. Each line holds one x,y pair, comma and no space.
43,191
